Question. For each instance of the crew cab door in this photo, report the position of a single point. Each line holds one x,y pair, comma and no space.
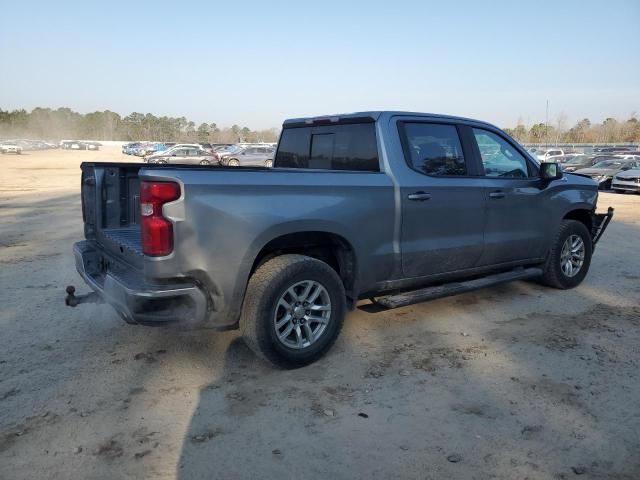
517,206
443,207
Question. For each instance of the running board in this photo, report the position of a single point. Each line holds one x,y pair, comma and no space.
448,289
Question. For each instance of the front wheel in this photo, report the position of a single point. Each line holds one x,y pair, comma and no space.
268,163
234,162
569,257
293,310
205,162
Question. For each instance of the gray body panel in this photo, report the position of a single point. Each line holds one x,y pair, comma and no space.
225,216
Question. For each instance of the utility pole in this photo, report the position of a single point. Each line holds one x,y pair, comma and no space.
546,127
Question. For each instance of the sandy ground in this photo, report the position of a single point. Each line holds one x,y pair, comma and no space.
517,381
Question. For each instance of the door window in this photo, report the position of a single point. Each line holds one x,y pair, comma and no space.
499,157
433,149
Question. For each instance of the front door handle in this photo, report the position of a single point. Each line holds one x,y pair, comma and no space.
419,196
497,194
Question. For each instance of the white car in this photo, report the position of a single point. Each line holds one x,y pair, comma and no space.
543,155
10,148
627,181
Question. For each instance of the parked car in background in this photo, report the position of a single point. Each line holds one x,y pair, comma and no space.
131,145
151,148
603,171
184,155
220,146
227,149
206,146
73,145
10,147
543,155
627,181
133,148
248,157
612,149
564,158
93,145
578,162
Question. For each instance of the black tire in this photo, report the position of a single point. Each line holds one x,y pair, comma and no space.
553,275
266,286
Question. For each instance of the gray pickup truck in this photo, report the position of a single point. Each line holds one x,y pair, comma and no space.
395,207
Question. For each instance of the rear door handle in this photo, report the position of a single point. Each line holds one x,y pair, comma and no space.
419,196
497,194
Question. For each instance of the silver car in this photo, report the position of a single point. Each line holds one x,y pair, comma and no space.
248,157
627,181
184,155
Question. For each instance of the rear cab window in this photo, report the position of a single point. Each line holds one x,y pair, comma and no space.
433,148
329,147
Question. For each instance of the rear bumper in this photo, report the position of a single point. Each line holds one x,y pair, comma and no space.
136,300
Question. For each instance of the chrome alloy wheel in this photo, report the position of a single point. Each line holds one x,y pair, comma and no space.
572,255
302,314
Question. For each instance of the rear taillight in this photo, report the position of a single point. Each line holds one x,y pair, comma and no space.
157,231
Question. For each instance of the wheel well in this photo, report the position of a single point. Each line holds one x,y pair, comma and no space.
582,215
330,248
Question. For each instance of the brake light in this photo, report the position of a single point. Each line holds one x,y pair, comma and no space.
157,231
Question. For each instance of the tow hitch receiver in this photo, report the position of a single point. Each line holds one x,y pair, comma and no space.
71,300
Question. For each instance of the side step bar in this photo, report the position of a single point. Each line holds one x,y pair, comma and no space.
448,289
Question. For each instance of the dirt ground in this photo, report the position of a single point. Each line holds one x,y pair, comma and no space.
517,381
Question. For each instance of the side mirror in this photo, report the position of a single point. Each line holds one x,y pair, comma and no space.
550,171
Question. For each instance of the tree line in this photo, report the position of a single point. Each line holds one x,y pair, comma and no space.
49,124
610,130
63,123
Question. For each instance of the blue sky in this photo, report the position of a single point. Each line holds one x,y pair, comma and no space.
256,63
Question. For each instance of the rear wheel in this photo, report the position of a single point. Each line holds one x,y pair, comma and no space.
570,256
293,310
268,163
205,162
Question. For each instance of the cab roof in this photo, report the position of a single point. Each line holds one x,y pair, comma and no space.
371,116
